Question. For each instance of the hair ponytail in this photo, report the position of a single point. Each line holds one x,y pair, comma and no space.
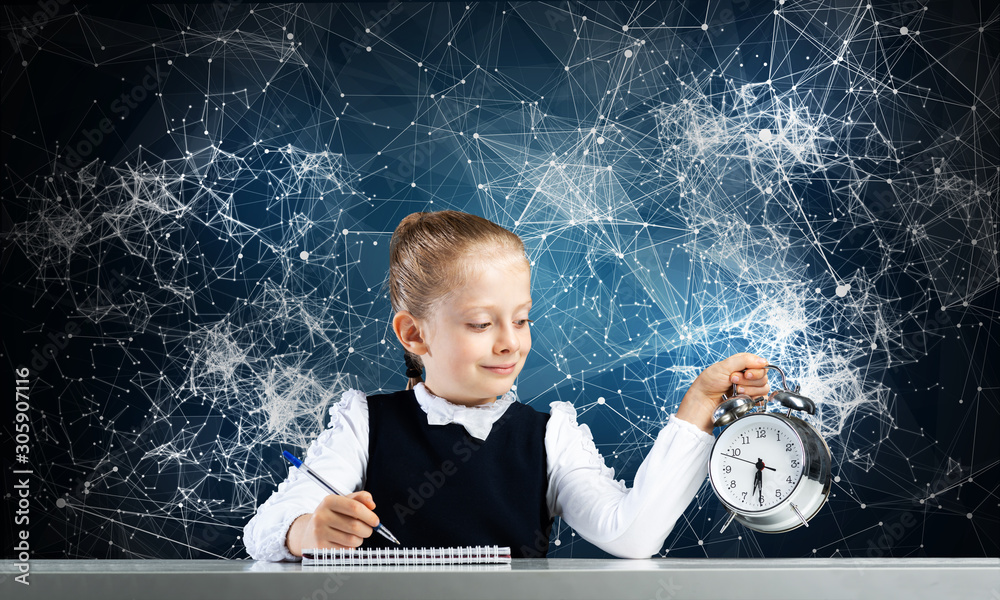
414,373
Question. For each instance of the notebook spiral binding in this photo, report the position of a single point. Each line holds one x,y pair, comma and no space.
459,555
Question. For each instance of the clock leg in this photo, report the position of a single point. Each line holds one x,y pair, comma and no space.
732,516
801,518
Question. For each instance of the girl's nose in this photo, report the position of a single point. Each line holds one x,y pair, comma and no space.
507,340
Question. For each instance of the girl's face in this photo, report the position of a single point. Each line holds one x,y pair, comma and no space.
477,339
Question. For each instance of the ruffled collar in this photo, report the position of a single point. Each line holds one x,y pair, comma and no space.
477,420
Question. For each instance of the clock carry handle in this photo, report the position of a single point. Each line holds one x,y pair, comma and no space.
792,400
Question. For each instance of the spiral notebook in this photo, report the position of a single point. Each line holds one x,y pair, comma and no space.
459,555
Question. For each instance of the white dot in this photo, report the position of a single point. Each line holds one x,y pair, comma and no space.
600,140
904,30
475,136
768,190
414,184
704,26
304,255
765,135
628,54
60,503
843,289
290,35
600,400
345,232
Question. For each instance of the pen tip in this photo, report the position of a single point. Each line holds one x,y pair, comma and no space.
292,458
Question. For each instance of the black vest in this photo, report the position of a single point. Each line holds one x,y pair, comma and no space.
435,485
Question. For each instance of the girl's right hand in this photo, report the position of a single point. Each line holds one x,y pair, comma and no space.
338,522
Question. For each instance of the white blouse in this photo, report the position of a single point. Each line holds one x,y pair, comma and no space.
628,523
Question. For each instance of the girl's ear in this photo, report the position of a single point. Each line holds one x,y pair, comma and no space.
409,333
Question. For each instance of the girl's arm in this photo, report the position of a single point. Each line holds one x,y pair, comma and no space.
266,535
633,523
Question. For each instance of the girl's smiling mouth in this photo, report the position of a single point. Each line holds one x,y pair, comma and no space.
501,369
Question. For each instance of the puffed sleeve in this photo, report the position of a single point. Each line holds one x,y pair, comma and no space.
339,454
628,523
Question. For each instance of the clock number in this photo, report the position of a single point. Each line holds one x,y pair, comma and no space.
788,447
779,436
732,484
789,479
736,451
745,438
744,495
727,469
795,464
777,493
761,434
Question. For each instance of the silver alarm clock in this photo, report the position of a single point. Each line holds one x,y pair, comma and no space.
770,470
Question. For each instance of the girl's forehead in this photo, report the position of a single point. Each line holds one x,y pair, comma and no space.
499,284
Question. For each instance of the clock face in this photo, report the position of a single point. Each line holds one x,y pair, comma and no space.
756,463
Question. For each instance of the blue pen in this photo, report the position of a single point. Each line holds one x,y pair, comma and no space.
315,477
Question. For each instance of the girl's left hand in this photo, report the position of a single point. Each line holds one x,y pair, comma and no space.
705,394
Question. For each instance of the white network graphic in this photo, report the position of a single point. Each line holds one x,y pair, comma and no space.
683,195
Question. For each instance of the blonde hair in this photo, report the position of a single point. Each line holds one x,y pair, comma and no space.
427,260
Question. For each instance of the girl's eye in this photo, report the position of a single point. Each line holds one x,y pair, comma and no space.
523,322
479,326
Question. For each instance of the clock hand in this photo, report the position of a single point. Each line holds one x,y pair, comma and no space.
759,479
743,459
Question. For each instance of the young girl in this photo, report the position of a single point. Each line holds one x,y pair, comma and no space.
456,459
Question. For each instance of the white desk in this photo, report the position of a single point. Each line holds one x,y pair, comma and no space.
579,579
